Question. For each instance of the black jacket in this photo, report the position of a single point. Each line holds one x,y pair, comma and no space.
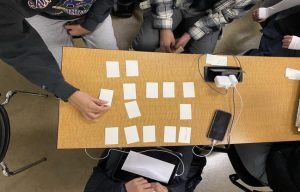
102,180
23,48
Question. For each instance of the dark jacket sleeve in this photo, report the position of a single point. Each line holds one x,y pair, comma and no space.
22,47
97,14
99,181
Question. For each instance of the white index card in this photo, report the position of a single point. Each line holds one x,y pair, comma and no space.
149,134
216,60
129,90
263,13
151,90
132,109
131,134
170,134
168,89
106,95
112,69
148,167
292,74
132,68
112,136
185,111
188,89
184,135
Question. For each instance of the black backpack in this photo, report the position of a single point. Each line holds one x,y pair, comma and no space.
283,167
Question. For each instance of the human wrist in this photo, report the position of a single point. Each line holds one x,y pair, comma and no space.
187,36
73,97
64,90
163,31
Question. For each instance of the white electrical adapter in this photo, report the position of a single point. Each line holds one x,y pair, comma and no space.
222,81
233,80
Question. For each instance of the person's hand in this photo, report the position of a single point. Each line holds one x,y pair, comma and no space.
158,187
91,108
286,41
183,40
167,40
256,17
76,29
139,185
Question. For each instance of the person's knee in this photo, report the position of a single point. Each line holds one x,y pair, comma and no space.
145,44
205,45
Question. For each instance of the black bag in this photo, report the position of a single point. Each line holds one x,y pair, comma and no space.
283,167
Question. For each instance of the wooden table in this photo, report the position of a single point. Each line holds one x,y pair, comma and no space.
270,99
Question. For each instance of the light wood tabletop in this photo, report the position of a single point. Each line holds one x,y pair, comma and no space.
269,111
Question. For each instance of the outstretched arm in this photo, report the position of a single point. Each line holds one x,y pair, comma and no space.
23,48
263,13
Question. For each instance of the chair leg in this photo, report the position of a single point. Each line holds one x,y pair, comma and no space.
7,172
234,179
10,94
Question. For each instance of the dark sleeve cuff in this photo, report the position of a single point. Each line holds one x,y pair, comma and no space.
64,90
89,24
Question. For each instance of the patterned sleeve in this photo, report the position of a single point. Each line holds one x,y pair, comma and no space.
162,11
223,12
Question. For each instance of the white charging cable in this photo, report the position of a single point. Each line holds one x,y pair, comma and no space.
239,115
212,146
230,82
234,82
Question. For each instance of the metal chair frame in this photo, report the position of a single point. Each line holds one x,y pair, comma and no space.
5,134
241,172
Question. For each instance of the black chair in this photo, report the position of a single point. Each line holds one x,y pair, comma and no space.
241,172
5,134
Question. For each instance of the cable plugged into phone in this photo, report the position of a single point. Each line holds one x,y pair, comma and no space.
230,82
222,119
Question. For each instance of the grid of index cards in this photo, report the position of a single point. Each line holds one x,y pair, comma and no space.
156,99
133,111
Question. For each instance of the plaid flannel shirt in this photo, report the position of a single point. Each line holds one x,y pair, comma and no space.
223,12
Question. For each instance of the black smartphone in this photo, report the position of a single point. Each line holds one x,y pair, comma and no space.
219,125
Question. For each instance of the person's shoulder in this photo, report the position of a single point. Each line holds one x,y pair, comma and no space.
15,8
10,5
7,8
